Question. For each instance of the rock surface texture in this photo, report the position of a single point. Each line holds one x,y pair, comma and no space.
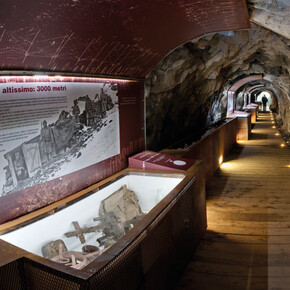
187,90
272,14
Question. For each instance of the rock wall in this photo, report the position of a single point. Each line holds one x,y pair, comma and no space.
187,89
272,14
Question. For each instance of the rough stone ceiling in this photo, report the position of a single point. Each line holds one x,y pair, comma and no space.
272,14
187,90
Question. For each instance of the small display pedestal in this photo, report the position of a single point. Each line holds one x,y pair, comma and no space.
244,124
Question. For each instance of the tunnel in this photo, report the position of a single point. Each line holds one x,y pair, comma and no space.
224,58
86,86
267,101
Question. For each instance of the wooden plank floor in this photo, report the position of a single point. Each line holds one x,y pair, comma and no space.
247,244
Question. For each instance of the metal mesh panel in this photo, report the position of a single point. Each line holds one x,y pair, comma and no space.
11,277
168,246
123,272
182,233
157,253
44,278
155,244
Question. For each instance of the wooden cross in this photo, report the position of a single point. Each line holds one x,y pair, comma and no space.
79,232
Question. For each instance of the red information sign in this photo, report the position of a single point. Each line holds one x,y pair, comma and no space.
159,161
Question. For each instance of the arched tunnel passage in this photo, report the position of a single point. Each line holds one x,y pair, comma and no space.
186,93
197,76
236,100
249,93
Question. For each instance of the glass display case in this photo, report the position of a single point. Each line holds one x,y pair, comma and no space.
95,222
116,235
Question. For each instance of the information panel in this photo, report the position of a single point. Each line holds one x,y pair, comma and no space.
50,129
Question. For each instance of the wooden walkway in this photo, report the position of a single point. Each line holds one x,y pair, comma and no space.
247,244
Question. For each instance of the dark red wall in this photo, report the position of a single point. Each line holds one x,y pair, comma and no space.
106,37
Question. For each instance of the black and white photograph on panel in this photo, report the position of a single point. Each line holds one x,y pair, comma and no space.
48,130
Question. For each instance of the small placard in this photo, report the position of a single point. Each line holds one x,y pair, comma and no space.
159,161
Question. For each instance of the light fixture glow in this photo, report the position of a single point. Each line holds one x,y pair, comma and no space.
221,160
226,165
276,134
273,127
282,145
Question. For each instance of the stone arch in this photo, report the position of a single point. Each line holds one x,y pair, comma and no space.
237,85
